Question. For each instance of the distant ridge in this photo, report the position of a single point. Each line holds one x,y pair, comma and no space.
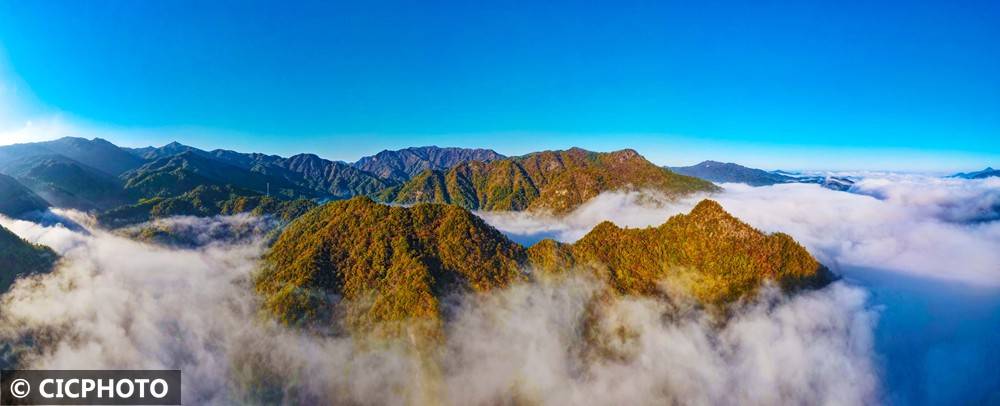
401,165
983,174
732,173
96,153
720,172
556,181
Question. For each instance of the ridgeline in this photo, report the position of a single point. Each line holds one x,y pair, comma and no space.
371,266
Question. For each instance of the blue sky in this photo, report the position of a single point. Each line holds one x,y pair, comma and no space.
833,85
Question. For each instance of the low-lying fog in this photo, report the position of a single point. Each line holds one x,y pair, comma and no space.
926,249
914,321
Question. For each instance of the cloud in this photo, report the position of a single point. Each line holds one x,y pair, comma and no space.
811,349
190,231
117,303
35,130
629,209
948,199
923,226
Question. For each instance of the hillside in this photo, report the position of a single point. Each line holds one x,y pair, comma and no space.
178,174
556,181
20,258
732,173
709,252
96,153
203,201
403,164
337,179
373,266
15,199
67,183
396,263
305,171
719,172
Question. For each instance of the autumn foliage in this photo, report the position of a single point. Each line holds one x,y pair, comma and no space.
554,181
368,266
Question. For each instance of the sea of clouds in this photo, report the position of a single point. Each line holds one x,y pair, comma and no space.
926,249
117,303
921,225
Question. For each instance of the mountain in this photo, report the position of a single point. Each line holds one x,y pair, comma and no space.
332,179
337,179
556,181
205,201
983,174
196,184
20,258
154,153
96,153
15,199
67,183
710,253
372,266
732,173
839,183
401,261
720,172
178,174
71,172
403,164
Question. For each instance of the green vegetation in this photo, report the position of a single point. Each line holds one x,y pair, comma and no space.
556,181
15,199
374,267
395,264
732,173
205,201
709,253
20,258
178,174
401,165
97,154
67,183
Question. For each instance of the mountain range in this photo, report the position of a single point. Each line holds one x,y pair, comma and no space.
390,264
382,246
555,181
720,172
128,185
983,174
401,165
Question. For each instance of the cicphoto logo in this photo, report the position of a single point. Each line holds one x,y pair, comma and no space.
63,387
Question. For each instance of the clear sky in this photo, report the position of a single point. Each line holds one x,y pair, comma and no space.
809,85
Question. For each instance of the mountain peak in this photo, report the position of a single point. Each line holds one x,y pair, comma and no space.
402,165
708,208
625,154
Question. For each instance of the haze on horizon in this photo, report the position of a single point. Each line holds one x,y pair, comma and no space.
888,86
